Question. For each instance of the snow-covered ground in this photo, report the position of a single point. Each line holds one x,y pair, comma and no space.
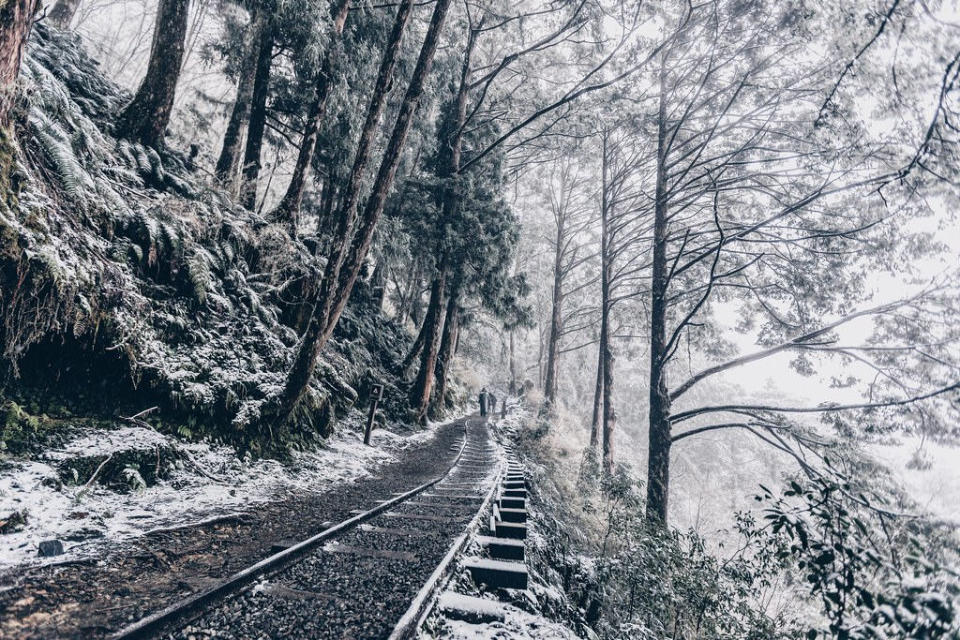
99,515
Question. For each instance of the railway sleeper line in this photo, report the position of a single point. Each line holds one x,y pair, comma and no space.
498,562
357,578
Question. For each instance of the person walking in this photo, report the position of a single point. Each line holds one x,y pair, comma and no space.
483,401
492,403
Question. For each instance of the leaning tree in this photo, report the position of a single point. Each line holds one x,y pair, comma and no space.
16,18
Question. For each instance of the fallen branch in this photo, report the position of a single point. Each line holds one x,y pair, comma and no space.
90,482
141,414
240,516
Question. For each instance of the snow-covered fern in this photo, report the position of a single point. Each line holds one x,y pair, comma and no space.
199,273
56,147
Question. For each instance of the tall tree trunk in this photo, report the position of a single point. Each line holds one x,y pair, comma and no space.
411,287
556,320
609,413
228,163
145,119
448,343
423,384
340,274
513,364
258,119
658,465
416,301
597,404
289,208
62,13
540,349
327,199
16,18
606,352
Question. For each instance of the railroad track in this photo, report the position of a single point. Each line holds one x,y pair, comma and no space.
370,576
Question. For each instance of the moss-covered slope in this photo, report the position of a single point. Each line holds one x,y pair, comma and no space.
127,281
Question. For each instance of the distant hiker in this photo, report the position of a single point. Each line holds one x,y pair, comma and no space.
492,403
483,401
503,410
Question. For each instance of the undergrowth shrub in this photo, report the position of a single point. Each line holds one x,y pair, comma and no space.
873,574
843,557
623,576
663,583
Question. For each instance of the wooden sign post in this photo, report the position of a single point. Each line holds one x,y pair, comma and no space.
375,394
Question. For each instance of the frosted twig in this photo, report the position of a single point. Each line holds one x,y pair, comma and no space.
85,487
141,414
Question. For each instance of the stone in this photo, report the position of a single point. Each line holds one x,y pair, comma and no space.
50,548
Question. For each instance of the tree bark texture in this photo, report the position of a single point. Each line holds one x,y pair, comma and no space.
448,344
606,358
145,119
658,465
411,288
16,18
597,404
378,284
513,363
556,319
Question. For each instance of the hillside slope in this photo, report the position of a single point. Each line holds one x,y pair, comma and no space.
127,282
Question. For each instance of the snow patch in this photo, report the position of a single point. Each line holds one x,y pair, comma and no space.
97,442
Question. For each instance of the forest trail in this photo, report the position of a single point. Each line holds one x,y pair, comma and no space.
92,599
709,248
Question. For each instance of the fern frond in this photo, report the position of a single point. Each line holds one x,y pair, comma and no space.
200,274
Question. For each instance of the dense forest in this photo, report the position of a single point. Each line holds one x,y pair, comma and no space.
707,249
